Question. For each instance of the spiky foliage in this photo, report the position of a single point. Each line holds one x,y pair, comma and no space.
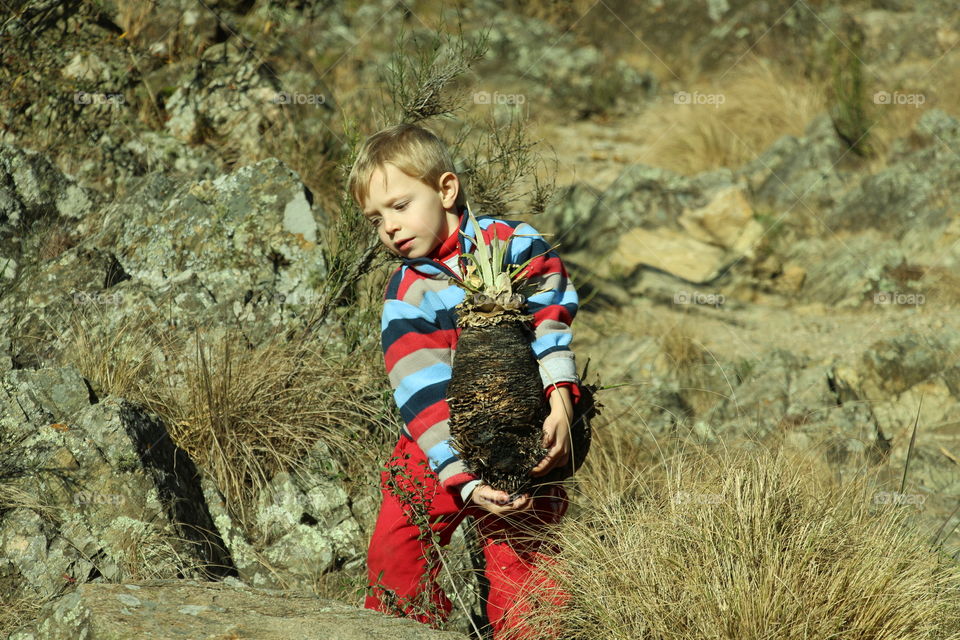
495,292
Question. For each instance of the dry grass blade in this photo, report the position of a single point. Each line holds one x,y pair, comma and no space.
913,440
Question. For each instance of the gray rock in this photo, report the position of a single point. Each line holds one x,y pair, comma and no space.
641,196
551,64
238,232
168,609
101,491
36,201
243,246
797,175
919,187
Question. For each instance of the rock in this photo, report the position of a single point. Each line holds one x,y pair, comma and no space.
237,233
891,367
87,67
917,189
551,63
568,214
206,253
895,36
37,201
726,221
791,279
302,527
670,251
236,97
103,492
167,609
798,173
641,196
695,244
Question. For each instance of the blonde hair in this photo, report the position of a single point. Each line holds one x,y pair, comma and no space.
414,150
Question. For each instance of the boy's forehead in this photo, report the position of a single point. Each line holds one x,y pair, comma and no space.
386,183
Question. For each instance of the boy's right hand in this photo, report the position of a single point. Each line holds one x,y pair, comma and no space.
498,502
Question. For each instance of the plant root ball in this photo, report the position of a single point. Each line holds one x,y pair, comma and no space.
497,404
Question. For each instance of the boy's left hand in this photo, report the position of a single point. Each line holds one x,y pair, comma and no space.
556,432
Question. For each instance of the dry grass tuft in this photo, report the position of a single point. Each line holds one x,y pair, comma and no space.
120,362
701,379
749,545
760,103
246,414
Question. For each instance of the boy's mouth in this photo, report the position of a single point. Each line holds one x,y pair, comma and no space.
403,245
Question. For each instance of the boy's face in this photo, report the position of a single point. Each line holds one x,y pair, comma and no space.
411,217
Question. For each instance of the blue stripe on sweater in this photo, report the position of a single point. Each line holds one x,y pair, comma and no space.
567,298
441,452
444,464
420,379
421,399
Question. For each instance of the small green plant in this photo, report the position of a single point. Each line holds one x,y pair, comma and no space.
413,493
848,103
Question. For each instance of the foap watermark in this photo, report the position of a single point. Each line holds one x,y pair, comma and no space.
898,98
97,297
697,297
690,497
294,297
899,298
695,97
485,97
286,97
93,497
112,99
894,497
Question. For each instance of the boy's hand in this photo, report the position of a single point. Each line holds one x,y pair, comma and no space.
498,502
556,432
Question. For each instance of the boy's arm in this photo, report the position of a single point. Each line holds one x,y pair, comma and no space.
417,353
553,310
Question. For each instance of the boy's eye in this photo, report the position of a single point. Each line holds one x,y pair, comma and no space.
400,206
375,220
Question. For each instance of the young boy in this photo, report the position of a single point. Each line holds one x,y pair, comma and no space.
404,182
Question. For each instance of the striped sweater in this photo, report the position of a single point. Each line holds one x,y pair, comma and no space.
419,333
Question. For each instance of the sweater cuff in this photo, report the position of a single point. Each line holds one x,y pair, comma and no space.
573,386
557,367
467,490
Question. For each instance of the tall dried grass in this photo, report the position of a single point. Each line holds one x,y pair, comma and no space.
760,103
747,545
245,414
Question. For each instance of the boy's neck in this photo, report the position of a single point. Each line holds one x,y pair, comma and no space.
449,246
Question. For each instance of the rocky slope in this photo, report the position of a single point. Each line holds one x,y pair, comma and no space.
174,168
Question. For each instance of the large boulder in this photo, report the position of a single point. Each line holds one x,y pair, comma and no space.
243,247
95,491
104,494
918,188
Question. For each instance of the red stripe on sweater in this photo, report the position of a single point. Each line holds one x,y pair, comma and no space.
427,418
411,341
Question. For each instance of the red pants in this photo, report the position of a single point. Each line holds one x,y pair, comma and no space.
402,561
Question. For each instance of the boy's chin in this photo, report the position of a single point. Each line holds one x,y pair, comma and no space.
416,252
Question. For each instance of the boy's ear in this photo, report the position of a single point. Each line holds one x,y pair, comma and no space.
449,188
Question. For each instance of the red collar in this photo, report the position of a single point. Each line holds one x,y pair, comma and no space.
448,248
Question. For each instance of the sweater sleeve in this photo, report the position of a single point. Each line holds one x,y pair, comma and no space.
553,309
418,354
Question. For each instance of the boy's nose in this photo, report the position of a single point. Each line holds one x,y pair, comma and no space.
390,225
